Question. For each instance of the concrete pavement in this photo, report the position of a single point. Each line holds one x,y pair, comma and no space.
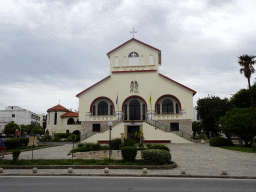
199,160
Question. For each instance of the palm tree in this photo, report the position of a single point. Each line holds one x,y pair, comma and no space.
247,62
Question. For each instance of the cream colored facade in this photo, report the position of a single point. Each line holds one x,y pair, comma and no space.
62,124
134,75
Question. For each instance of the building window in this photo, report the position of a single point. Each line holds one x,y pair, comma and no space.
96,127
13,115
125,112
144,111
103,108
111,109
133,58
167,106
55,119
116,61
67,131
177,108
158,108
71,121
93,110
174,126
151,59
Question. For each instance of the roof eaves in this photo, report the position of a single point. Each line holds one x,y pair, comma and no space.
93,86
194,92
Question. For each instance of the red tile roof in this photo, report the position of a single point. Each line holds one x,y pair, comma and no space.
58,108
194,92
70,114
138,42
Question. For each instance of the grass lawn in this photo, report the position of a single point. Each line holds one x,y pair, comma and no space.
22,148
74,162
239,148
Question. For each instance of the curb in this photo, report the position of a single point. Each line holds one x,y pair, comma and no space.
134,175
174,165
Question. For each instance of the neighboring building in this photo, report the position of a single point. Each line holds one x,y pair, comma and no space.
62,120
146,101
19,116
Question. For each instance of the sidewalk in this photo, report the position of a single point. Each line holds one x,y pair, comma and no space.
199,160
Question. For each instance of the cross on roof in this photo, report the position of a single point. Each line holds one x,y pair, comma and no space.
133,32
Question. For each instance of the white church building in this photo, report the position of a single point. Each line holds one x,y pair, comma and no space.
135,96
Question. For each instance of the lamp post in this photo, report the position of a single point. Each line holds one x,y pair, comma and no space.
110,124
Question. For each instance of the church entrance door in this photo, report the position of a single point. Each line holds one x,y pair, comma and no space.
131,130
134,110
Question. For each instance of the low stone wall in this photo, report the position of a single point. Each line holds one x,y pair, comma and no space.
99,155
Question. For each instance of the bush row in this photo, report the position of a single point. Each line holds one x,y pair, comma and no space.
220,141
158,146
156,156
16,142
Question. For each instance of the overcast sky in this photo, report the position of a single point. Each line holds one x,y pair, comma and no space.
52,50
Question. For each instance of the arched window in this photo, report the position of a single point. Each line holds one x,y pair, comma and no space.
142,60
151,59
111,109
93,110
67,131
71,121
55,119
103,108
116,61
125,112
133,58
167,106
158,108
177,108
125,60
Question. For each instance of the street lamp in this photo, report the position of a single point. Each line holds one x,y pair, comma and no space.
110,124
220,129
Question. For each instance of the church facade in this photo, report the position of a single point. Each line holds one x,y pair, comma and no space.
136,97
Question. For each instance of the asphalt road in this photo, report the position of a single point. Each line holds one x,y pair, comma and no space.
63,184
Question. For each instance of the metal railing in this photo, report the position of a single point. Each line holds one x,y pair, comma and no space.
168,129
134,117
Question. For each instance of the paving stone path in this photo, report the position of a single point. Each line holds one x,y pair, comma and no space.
197,159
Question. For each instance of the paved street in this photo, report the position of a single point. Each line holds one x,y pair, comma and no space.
197,159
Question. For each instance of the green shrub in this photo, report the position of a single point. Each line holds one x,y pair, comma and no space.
158,146
62,135
95,147
47,138
253,145
56,139
13,143
156,156
129,142
24,141
15,155
202,136
80,145
129,153
220,141
115,144
104,147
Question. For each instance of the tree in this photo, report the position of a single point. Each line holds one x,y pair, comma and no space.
37,130
247,62
242,98
240,122
10,128
210,109
196,127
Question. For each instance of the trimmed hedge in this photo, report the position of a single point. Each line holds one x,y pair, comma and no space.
220,141
158,146
115,144
16,142
129,153
15,155
156,156
62,135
